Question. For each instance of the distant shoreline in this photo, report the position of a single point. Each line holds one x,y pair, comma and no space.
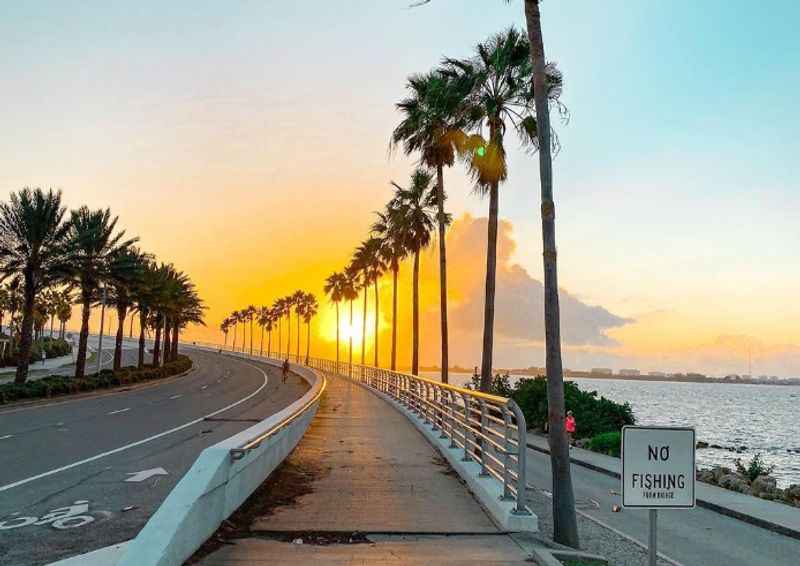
666,378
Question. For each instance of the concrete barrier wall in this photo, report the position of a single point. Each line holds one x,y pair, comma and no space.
216,485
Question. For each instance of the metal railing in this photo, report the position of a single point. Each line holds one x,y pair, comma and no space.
490,430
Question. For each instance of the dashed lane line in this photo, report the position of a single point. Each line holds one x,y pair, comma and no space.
142,441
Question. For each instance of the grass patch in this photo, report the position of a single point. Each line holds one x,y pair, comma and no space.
583,562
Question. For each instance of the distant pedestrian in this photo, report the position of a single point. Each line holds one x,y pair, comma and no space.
570,425
285,369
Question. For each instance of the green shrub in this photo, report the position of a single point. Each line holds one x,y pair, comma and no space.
756,467
606,443
55,385
593,414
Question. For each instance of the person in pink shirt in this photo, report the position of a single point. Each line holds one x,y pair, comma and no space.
570,425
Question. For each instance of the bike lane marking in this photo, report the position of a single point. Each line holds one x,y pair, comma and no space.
6,437
142,441
118,411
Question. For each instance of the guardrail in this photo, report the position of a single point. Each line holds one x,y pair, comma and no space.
222,478
489,430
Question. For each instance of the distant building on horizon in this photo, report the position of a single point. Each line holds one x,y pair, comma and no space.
657,374
630,372
602,371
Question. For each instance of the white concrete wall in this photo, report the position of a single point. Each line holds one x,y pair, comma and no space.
216,485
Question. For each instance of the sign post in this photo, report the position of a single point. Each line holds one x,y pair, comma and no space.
658,472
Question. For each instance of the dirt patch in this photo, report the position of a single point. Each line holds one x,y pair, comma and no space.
283,488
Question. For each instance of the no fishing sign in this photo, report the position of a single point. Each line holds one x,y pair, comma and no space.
658,467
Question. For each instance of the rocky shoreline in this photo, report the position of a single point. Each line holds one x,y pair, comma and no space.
763,486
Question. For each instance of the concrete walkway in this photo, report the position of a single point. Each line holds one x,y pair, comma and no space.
777,517
378,490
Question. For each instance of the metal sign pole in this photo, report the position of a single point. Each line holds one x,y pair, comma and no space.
652,549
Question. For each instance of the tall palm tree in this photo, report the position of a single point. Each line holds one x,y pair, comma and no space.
144,297
392,252
350,287
263,320
125,272
250,316
32,237
412,214
297,300
365,261
433,126
64,312
224,327
500,95
310,308
334,288
187,308
277,312
565,526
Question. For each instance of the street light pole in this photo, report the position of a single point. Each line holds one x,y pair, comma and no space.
102,320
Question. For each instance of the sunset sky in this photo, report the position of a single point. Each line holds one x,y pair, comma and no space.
247,143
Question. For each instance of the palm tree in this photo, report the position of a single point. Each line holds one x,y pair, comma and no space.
125,271
365,261
224,327
433,126
144,298
310,308
565,526
500,80
32,237
412,214
187,308
263,320
334,288
297,300
93,242
64,311
250,315
392,252
277,313
350,287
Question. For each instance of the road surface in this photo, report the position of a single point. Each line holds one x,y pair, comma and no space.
83,450
695,537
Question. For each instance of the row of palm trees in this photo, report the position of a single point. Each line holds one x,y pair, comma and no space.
462,110
269,319
51,305
53,259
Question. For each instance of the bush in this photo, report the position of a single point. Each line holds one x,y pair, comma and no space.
56,385
594,415
606,443
756,467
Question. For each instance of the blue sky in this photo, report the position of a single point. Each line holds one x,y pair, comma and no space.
676,187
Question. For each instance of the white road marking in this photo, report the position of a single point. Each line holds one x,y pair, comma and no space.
6,437
145,474
119,411
176,396
204,387
144,440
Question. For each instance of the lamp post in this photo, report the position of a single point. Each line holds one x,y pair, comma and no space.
102,320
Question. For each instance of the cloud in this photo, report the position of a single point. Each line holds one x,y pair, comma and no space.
519,300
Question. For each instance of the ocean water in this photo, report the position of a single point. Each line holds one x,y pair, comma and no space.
764,418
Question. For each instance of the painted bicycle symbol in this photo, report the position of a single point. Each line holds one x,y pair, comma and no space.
75,515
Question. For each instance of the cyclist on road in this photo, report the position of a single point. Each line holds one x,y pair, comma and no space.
285,369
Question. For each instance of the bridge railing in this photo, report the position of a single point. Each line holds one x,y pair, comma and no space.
489,429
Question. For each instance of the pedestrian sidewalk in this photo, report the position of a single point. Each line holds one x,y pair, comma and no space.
52,363
777,517
377,489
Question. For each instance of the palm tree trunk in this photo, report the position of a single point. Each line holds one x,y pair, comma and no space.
25,343
395,269
176,331
235,326
280,339
121,313
415,337
251,335
565,526
269,343
350,373
337,336
261,348
157,342
167,347
442,272
488,312
142,324
364,323
52,324
130,331
308,340
289,338
298,338
377,311
83,337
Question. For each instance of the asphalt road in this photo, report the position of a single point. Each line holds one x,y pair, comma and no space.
60,452
694,537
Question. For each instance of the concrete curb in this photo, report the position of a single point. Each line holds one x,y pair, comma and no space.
704,503
486,489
